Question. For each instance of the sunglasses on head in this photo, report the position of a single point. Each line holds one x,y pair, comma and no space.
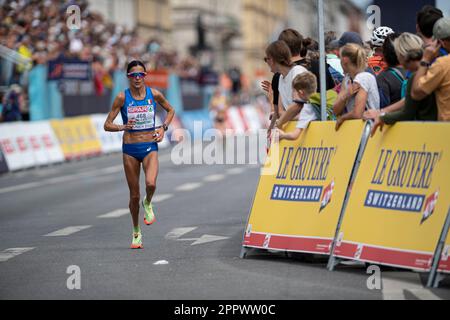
137,75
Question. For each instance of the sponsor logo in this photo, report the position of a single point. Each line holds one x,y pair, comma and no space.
296,193
306,164
326,197
411,170
429,206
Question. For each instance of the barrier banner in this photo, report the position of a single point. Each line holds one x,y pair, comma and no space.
26,144
158,79
399,201
77,136
3,164
69,69
110,141
297,206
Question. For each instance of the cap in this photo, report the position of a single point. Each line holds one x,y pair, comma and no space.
441,29
333,45
350,37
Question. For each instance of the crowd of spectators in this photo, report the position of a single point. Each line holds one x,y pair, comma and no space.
38,31
391,77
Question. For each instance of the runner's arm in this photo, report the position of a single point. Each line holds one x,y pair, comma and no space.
109,125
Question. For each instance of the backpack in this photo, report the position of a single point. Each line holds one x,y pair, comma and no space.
386,100
314,101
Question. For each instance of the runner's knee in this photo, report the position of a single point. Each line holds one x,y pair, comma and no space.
150,184
135,197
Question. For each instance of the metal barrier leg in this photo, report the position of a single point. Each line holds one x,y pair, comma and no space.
333,261
435,277
243,253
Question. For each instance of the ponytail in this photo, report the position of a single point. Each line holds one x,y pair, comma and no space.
356,54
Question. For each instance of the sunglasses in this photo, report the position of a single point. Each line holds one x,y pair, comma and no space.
137,75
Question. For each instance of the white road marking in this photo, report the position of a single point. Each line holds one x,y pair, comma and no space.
189,186
12,252
235,171
115,214
61,179
394,284
67,231
83,173
178,232
214,177
208,238
161,197
20,187
161,262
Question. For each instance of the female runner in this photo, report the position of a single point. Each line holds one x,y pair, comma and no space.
137,106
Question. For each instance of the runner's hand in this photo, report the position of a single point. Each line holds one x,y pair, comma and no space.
158,135
129,125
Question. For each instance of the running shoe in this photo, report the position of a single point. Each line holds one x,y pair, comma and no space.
149,216
137,241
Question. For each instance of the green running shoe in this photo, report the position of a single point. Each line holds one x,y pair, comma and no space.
149,216
137,241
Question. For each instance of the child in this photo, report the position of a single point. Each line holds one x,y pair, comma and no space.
304,85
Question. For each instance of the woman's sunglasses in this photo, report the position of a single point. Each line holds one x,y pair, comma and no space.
137,75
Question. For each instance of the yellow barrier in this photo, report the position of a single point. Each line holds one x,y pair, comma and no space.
77,137
296,208
399,201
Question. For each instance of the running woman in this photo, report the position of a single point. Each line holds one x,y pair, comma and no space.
137,106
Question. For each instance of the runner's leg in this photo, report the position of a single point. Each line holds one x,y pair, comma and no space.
132,171
151,167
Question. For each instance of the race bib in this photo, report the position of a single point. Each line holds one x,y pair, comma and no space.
143,116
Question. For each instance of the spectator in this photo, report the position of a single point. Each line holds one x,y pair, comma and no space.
350,37
295,42
218,109
391,81
376,62
311,65
359,88
332,50
304,86
409,51
279,59
12,105
435,77
425,20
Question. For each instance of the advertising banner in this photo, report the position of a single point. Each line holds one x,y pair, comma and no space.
399,201
298,203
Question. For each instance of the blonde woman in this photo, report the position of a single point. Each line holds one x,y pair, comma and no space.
359,88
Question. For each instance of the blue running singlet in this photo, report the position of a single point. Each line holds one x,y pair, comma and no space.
143,111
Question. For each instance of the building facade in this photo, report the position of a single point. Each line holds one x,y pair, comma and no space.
151,18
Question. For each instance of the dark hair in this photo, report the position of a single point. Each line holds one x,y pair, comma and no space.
426,18
389,50
280,53
330,36
135,63
307,42
293,39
